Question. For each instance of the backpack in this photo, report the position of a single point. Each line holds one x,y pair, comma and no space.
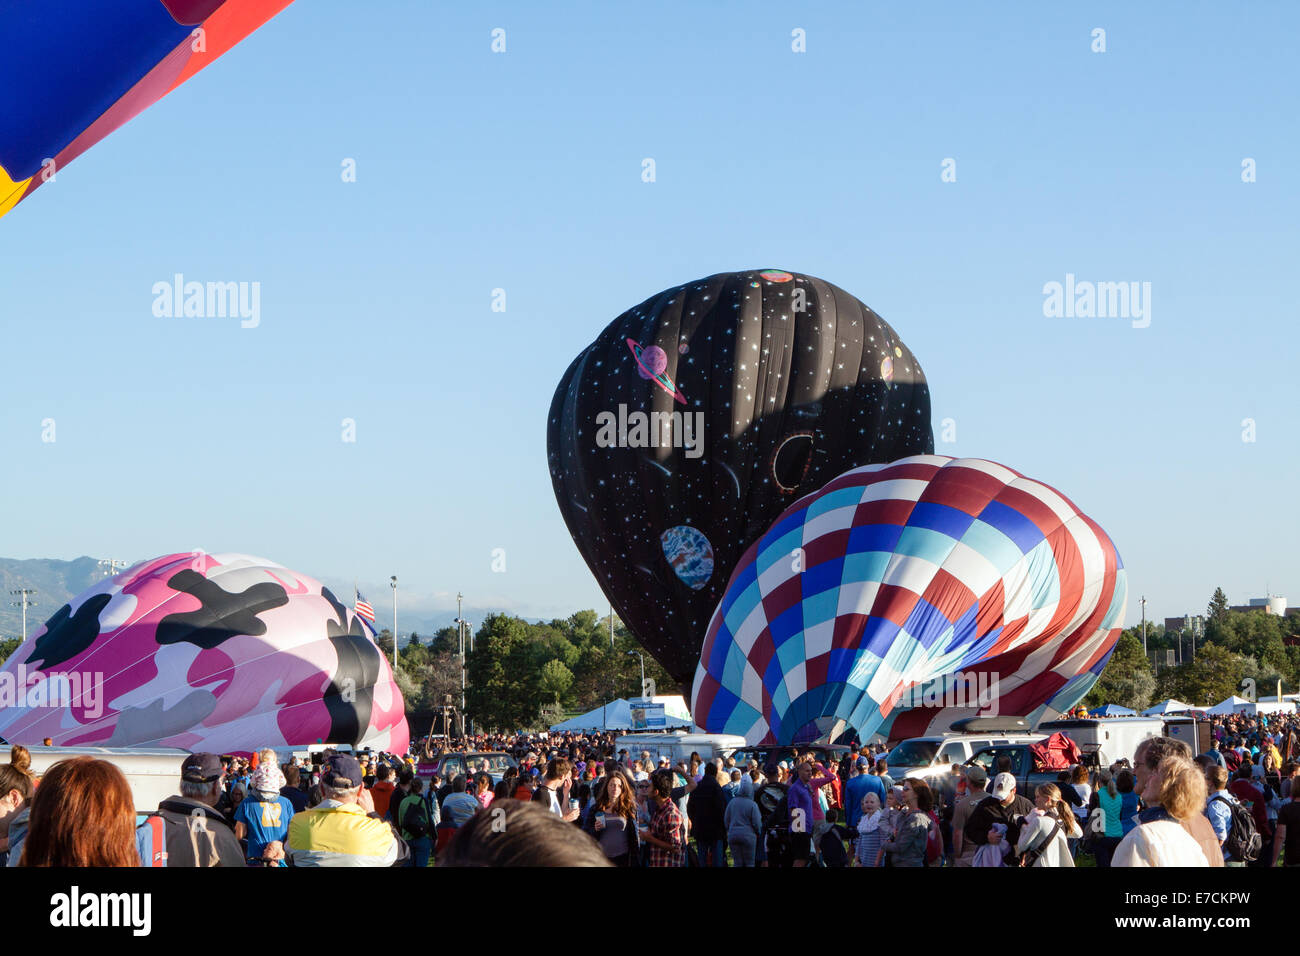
150,841
933,842
1243,842
415,820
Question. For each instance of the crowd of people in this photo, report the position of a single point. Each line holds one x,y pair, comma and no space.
573,799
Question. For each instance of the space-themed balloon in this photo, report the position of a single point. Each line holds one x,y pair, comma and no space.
711,407
206,652
878,601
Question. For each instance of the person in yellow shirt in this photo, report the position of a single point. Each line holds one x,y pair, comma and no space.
337,831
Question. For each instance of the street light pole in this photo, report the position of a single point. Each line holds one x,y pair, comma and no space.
24,601
393,583
1144,625
642,656
460,633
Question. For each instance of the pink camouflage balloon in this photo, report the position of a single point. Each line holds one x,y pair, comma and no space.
205,652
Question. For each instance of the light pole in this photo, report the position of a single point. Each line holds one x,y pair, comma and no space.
460,633
642,656
392,582
24,601
113,564
1144,625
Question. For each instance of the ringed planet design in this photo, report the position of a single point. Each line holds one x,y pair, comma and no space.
776,275
887,369
652,364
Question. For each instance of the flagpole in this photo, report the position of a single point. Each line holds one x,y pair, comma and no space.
393,581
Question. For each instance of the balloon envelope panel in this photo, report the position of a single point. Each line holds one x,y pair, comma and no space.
223,653
929,574
78,69
695,418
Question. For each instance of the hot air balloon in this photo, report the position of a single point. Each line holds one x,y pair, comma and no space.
78,69
205,652
696,417
903,596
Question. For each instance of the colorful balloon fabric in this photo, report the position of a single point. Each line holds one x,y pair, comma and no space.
712,406
894,576
76,70
223,653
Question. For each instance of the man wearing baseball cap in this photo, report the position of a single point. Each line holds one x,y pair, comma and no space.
337,832
1003,805
194,833
860,784
963,850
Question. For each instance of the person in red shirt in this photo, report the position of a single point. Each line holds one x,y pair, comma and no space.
1252,797
382,791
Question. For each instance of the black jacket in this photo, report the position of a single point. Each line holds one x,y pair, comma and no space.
990,811
706,807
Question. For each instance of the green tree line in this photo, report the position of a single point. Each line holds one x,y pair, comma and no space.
517,667
1236,646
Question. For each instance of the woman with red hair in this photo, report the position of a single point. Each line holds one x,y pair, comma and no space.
82,814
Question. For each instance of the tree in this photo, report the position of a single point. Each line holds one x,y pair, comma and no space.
1213,676
1218,609
8,646
555,678
503,690
1127,679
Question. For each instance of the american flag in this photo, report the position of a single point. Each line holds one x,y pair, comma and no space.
363,609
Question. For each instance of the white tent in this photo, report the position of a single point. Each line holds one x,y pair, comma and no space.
617,715
1229,706
1170,706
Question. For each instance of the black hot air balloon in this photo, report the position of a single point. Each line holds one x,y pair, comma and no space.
695,418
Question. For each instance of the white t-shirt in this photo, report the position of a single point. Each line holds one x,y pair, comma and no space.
1159,843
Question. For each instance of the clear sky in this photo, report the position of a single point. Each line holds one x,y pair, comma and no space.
522,171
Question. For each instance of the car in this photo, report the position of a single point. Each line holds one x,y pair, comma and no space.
451,764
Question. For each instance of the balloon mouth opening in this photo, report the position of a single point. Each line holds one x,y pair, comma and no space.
791,462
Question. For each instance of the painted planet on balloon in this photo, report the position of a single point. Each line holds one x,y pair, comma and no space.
776,275
683,348
652,365
887,369
690,555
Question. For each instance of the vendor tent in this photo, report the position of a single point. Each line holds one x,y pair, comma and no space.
1230,706
617,715
1170,706
1112,710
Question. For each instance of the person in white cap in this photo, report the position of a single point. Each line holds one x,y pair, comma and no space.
1003,805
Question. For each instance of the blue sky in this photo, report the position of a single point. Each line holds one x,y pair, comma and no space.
522,171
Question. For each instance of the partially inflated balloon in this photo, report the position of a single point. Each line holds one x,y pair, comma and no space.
948,587
205,652
696,417
76,70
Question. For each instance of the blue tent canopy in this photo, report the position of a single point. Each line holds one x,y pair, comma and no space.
1112,710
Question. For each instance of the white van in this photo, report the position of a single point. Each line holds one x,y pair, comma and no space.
154,773
679,746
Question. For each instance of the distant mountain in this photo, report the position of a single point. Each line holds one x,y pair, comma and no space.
55,582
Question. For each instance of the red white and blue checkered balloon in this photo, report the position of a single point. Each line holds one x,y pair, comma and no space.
896,577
